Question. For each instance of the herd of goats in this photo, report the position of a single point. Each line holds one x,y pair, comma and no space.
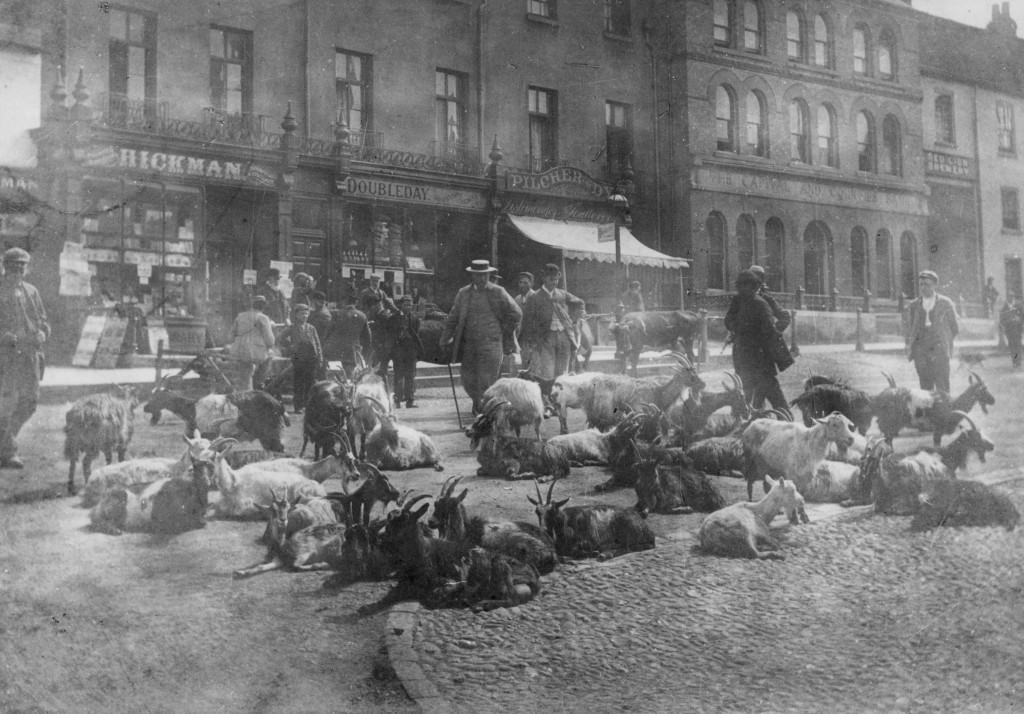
660,435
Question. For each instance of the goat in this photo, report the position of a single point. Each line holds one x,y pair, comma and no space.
212,412
244,491
98,423
742,529
568,392
361,491
675,489
317,547
963,503
362,556
832,482
525,403
790,450
589,446
175,402
503,455
633,440
166,506
822,398
397,447
369,388
307,512
724,455
597,530
518,539
244,416
325,418
693,413
894,481
900,407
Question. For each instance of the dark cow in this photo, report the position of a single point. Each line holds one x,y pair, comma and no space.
430,336
655,330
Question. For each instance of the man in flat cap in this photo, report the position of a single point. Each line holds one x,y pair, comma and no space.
549,335
23,332
302,343
932,326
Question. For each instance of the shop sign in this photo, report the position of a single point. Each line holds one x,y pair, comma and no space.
559,181
167,164
413,193
561,211
948,165
12,183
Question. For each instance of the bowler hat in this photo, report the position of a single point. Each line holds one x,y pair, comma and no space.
930,274
481,266
16,255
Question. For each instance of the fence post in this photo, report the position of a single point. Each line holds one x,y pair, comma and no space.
794,348
833,300
702,349
859,346
867,300
961,307
159,362
798,297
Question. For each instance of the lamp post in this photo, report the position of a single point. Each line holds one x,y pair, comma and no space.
619,200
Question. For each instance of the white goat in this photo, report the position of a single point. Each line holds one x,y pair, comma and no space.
244,491
216,416
785,449
832,482
590,446
569,392
397,447
852,454
369,398
742,529
525,402
306,513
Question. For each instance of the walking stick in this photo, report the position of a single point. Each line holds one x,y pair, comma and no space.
455,397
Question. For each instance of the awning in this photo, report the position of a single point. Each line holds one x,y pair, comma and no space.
579,241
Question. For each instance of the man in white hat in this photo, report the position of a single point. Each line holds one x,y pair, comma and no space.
23,332
481,330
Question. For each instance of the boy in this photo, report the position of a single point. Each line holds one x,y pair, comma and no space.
300,342
403,328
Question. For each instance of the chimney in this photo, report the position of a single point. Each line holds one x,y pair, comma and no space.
995,12
1002,23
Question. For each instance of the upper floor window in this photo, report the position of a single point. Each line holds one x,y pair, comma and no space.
353,74
945,129
1004,127
886,52
752,32
542,105
725,119
861,40
132,51
543,8
892,160
799,132
822,43
231,69
795,49
723,22
616,17
618,121
450,110
1011,209
828,151
757,133
865,142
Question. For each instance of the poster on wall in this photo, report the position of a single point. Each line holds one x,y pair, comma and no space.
74,272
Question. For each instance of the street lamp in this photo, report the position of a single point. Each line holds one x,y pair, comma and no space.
620,206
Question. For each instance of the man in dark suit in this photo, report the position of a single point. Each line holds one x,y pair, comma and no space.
277,305
405,348
548,333
348,338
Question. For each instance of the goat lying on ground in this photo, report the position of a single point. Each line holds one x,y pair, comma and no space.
397,447
589,446
742,529
361,491
501,454
963,503
724,455
598,530
244,491
98,423
525,405
675,489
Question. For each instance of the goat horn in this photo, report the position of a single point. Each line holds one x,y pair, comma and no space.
736,380
413,501
963,416
383,410
889,378
536,485
975,375
550,489
449,485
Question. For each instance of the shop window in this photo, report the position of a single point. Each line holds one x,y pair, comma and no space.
132,70
908,264
230,70
753,31
828,150
886,52
945,129
883,263
543,8
725,118
716,251
1004,127
1011,209
866,149
859,260
823,50
892,146
542,105
799,132
746,239
723,22
796,48
616,17
618,120
353,74
861,43
774,254
450,112
757,128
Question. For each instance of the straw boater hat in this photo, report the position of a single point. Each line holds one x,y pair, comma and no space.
481,266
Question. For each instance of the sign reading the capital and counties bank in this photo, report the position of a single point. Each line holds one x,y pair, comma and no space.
407,192
165,164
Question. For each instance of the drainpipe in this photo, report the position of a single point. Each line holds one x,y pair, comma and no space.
307,83
480,78
977,193
656,138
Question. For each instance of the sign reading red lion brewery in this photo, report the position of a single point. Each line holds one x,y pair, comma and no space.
560,181
168,164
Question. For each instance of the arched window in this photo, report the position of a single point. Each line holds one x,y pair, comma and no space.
716,251
752,32
823,54
774,256
799,132
725,118
886,52
883,263
723,22
795,48
892,158
866,142
945,129
828,153
859,260
861,47
817,258
757,132
908,264
746,239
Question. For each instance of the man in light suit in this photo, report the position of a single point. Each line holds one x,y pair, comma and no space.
548,334
932,326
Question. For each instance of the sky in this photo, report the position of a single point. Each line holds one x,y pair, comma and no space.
970,12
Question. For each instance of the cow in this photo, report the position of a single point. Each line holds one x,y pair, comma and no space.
656,330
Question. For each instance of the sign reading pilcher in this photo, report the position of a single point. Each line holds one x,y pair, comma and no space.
559,181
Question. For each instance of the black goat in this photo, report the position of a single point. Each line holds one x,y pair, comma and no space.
820,398
963,503
175,402
260,416
361,492
675,489
325,419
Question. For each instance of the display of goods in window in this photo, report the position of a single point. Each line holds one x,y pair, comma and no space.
395,245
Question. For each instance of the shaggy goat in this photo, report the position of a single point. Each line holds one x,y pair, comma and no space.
822,398
325,418
369,394
742,529
397,447
598,530
361,491
503,455
569,392
589,446
525,403
244,491
98,423
900,407
675,489
724,455
963,503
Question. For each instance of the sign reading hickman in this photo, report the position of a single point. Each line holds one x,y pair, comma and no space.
168,164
